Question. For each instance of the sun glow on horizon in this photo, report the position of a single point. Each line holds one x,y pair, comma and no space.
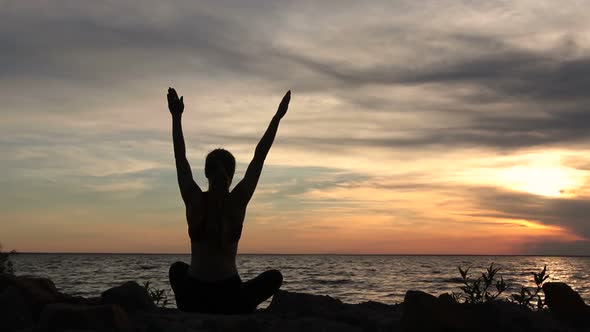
541,173
549,181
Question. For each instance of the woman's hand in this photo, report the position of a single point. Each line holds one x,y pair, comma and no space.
284,105
175,105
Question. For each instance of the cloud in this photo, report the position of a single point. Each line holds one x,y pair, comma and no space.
394,103
570,214
120,186
487,89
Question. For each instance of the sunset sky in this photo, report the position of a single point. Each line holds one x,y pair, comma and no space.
415,127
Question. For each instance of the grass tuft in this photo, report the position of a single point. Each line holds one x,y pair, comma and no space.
6,265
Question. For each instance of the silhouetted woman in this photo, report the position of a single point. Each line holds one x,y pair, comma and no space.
211,282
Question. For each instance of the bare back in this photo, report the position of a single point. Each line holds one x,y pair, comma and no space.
215,223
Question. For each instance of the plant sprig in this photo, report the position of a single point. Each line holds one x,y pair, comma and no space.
531,296
159,296
480,290
6,264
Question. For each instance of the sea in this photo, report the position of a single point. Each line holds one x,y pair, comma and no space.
350,278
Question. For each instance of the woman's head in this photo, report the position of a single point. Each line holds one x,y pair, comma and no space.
220,166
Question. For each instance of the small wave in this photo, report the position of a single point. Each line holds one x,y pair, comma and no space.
432,281
147,267
333,282
455,280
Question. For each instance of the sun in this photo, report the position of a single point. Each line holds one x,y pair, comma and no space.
541,173
550,181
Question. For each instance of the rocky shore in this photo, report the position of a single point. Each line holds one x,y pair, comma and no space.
34,304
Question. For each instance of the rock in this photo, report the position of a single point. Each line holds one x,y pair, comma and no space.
36,292
447,298
419,300
508,316
312,324
64,316
284,301
566,304
424,312
367,316
95,300
164,320
14,311
130,295
419,313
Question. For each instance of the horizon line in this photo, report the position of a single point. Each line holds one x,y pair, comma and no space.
297,254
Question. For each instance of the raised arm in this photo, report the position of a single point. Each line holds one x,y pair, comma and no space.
245,189
183,170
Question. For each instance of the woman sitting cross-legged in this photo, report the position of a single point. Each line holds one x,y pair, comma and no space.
211,282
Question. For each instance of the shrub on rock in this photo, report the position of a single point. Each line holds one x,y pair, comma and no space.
424,312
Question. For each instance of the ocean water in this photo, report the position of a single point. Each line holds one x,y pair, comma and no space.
352,279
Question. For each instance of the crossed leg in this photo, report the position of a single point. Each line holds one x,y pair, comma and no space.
250,294
260,288
178,274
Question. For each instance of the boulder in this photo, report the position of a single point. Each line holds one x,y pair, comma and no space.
311,324
284,301
419,300
130,295
366,316
509,316
65,316
35,292
14,311
424,312
566,304
446,298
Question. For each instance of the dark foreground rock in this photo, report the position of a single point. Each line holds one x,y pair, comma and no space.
372,316
34,304
64,316
130,295
14,311
287,312
566,304
424,312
